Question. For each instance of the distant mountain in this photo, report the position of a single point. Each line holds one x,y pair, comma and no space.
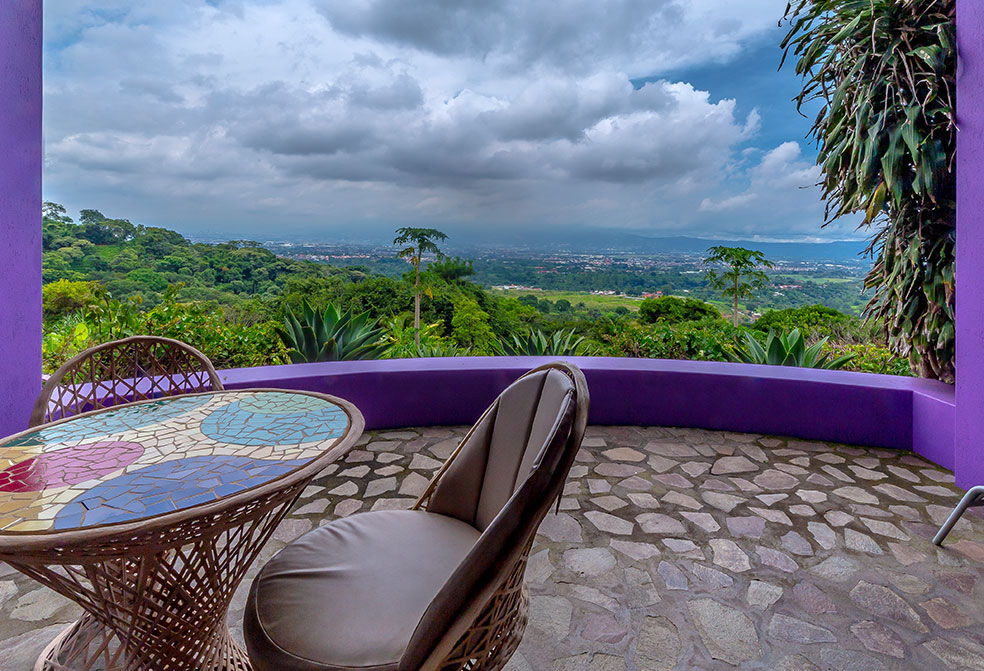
613,241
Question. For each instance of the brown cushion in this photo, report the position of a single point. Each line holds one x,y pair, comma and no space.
349,595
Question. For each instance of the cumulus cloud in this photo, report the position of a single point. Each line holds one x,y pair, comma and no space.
309,113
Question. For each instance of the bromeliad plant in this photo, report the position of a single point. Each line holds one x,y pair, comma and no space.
786,349
331,335
884,72
536,343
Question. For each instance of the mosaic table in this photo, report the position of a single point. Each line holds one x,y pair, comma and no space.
149,514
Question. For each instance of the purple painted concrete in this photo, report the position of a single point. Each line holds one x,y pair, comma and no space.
824,405
933,420
20,210
969,441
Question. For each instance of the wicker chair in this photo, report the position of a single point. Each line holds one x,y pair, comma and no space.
124,371
440,586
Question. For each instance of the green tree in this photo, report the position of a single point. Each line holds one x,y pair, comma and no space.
673,310
742,276
452,270
415,242
884,72
470,326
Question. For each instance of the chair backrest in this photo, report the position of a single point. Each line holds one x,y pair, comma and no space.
507,473
124,371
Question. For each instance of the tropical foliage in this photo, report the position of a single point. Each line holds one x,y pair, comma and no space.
416,242
673,310
331,335
786,349
536,343
742,273
884,72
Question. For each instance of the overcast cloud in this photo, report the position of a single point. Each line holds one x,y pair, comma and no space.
265,118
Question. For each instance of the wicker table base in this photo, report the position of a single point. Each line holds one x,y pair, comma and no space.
165,609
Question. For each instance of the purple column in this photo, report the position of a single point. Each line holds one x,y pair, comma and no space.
969,434
20,210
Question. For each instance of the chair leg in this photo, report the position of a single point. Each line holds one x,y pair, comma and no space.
973,497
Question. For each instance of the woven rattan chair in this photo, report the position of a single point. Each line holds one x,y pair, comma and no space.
124,371
440,586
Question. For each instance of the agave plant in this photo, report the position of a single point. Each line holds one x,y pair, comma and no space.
330,336
537,343
786,349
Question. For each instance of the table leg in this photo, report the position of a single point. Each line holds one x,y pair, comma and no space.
163,609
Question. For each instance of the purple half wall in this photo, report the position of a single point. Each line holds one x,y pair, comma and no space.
969,430
20,210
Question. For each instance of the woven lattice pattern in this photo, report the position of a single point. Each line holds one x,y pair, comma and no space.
124,371
156,600
498,630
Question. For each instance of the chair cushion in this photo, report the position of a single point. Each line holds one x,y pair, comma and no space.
350,594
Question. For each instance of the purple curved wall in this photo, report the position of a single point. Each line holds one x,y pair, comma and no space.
836,406
20,210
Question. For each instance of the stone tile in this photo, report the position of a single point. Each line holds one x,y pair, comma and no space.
695,468
823,535
609,523
793,630
609,503
730,465
856,494
713,578
776,516
955,656
551,614
883,528
658,523
945,614
725,502
673,480
658,645
561,528
762,595
678,499
635,550
672,576
727,633
747,526
796,544
703,520
643,500
728,555
776,559
623,454
589,562
878,639
774,479
836,568
882,602
812,599
855,540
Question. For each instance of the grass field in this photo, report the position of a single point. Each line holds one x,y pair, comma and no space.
604,303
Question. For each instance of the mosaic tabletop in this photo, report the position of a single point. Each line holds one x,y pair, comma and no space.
152,458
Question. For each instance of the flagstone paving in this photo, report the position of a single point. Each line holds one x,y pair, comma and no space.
685,549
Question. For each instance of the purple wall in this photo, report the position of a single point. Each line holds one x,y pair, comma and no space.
835,406
969,433
20,210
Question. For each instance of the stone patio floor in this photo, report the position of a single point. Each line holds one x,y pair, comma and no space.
684,549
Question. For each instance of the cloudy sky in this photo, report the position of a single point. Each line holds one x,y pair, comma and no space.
327,119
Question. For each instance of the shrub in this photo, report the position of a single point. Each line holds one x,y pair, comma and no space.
813,321
873,359
704,340
65,297
330,335
536,343
674,310
786,349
